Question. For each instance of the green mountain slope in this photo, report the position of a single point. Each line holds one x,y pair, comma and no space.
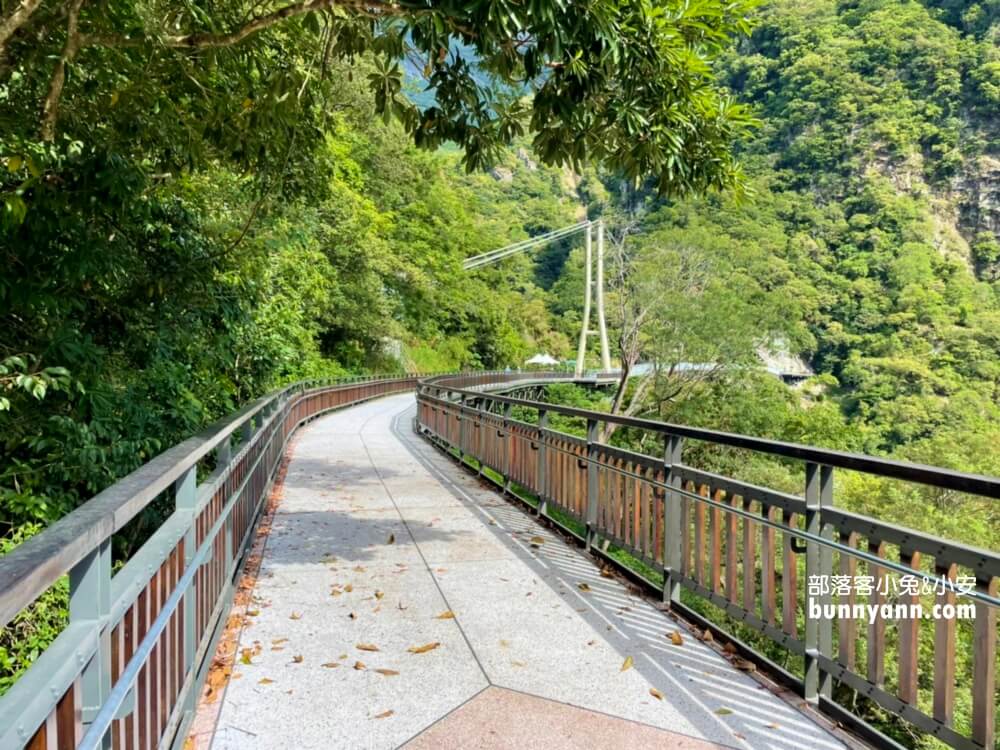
875,190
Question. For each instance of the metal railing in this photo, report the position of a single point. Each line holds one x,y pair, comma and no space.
749,551
126,671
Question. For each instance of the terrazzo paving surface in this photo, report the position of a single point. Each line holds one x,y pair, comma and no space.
400,602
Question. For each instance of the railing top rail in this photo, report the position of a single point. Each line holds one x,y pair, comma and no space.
29,570
933,476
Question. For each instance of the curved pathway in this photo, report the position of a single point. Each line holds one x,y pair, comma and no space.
401,603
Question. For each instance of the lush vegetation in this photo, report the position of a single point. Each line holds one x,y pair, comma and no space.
200,202
866,243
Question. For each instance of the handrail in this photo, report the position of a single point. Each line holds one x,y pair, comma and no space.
741,548
31,568
158,616
976,484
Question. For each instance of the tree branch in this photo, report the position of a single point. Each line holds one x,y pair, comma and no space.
50,109
16,19
372,8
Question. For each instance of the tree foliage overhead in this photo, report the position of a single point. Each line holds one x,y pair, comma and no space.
624,84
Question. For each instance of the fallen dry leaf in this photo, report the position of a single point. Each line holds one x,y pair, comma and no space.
349,588
387,672
366,647
627,664
359,569
385,714
423,649
772,725
729,648
446,615
264,681
295,616
707,636
583,586
359,665
297,659
392,539
245,656
536,541
744,664
253,612
330,665
278,641
722,712
656,694
676,638
379,594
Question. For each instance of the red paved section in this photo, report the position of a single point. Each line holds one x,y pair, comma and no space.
501,719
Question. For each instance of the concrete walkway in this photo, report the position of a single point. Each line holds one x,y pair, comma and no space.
400,603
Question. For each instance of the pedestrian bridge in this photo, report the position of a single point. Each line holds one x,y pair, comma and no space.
450,563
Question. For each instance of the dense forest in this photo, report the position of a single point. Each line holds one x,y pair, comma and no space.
185,225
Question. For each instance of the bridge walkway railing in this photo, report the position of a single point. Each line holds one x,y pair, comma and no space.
733,556
126,670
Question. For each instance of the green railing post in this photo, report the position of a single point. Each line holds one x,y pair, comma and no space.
186,501
673,522
593,440
543,423
819,568
90,602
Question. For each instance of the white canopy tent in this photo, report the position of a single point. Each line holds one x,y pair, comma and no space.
543,360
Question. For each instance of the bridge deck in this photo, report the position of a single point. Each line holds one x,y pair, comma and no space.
377,539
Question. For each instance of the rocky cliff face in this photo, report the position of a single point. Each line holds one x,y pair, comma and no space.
979,204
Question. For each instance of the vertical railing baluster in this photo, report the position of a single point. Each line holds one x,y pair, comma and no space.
847,627
749,559
508,440
543,423
876,629
90,602
909,636
593,439
461,428
186,494
944,648
673,531
819,568
732,550
984,649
